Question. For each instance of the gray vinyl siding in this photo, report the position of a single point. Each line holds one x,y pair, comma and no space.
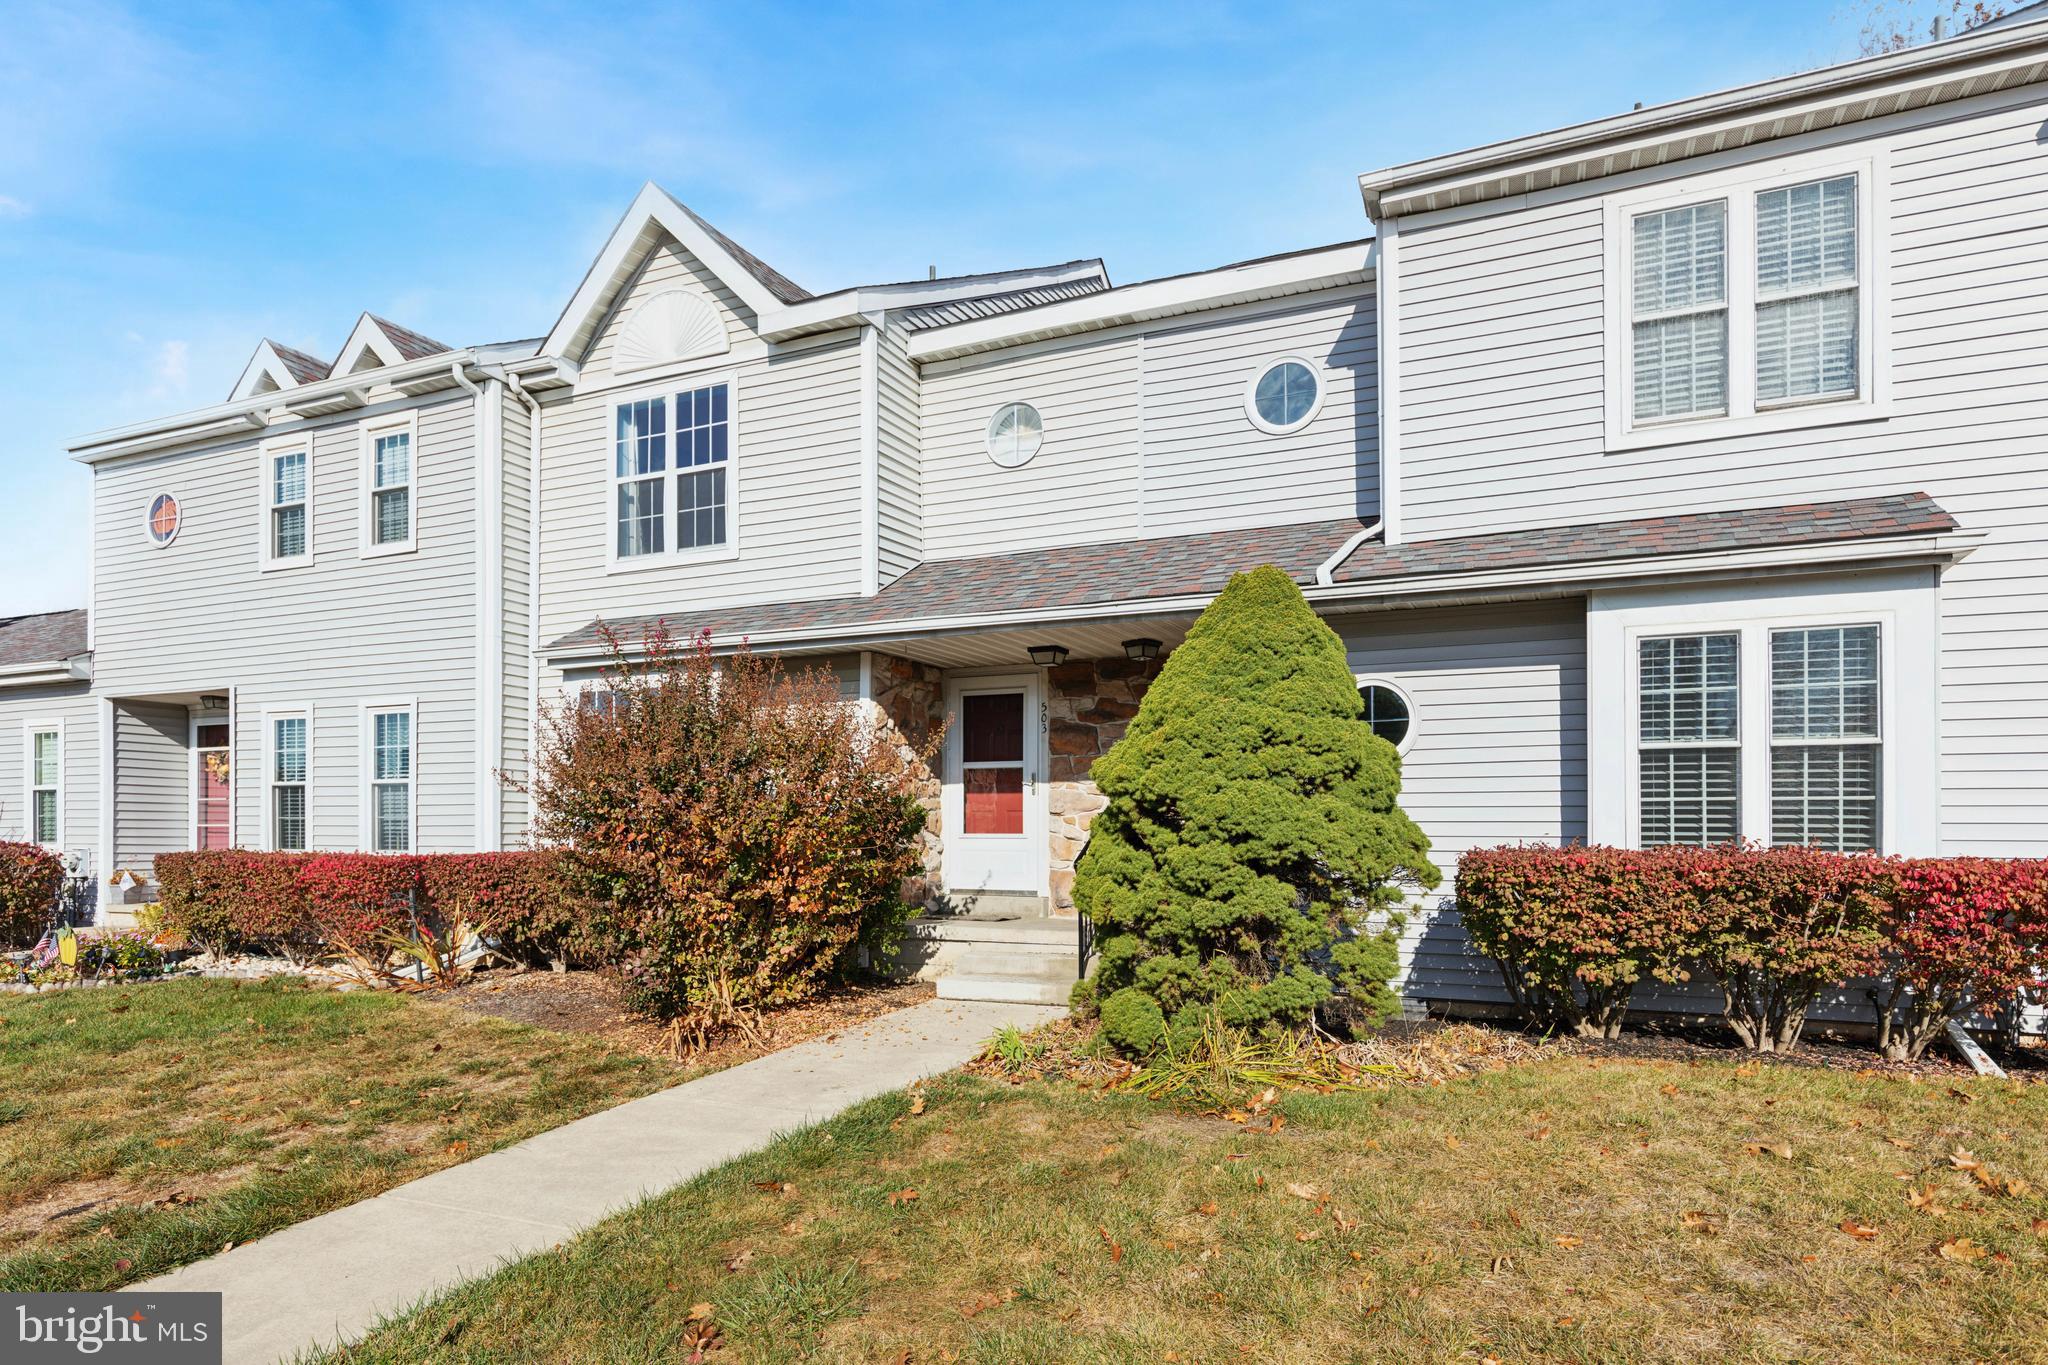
1085,484
798,482
153,802
900,534
1146,432
1498,754
518,598
1207,467
76,714
1502,423
198,617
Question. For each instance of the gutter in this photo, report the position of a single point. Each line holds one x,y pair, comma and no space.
245,415
489,523
1943,547
1326,572
533,466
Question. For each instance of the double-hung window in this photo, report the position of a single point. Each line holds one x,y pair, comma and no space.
289,815
672,473
1745,304
288,505
390,508
1689,744
391,769
45,785
1825,746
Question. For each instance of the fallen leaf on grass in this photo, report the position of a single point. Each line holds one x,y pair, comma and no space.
1781,1150
1962,1160
1116,1252
1667,1090
781,1187
699,1312
1925,1200
456,1148
1539,1134
1900,1143
903,1196
1451,1143
1699,1220
1567,1241
123,1266
1862,1232
1300,1191
1311,1235
739,1260
2041,1227
982,1304
917,1102
1207,1210
1961,1249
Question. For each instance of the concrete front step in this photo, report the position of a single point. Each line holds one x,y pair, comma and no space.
996,904
1010,990
1054,935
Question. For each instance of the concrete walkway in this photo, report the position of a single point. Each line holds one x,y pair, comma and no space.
330,1278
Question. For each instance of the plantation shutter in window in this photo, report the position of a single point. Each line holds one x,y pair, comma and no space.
1825,752
1806,289
1689,759
1679,304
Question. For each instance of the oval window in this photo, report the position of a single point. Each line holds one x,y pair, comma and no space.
165,516
1388,713
1014,434
1284,395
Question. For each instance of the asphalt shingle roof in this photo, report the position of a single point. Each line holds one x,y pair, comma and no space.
773,280
928,315
50,637
1176,566
304,368
411,345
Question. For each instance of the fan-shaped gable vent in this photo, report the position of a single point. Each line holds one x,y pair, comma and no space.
676,324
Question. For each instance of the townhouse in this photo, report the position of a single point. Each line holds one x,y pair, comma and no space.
1672,477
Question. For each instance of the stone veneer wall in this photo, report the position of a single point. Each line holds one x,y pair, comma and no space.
911,697
1089,704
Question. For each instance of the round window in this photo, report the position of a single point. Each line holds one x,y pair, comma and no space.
165,516
1284,395
1387,712
1014,434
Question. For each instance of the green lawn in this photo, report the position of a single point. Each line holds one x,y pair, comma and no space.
1558,1210
147,1126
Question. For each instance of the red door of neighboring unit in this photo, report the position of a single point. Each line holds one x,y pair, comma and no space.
214,797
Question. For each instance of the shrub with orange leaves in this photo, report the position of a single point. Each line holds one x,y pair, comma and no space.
746,828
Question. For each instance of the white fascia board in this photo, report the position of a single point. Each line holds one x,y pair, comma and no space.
266,361
1572,578
1966,62
368,338
47,671
1296,273
653,205
853,307
242,415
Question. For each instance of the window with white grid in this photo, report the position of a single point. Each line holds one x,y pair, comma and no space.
46,786
1806,292
390,516
391,780
1689,744
1679,297
289,824
289,505
672,461
1826,748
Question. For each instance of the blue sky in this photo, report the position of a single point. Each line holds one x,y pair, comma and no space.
177,182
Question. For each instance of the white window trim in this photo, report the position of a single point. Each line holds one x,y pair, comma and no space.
608,413
1739,188
366,461
29,730
1901,604
367,740
265,491
988,433
271,716
1365,680
1251,394
150,506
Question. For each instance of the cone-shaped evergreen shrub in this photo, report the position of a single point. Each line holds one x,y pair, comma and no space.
1252,827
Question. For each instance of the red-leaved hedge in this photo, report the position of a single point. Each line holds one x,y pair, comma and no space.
306,905
1574,930
30,876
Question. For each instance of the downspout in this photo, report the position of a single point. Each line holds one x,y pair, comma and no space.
1326,572
490,614
533,438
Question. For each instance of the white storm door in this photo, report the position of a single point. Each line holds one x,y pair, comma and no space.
995,824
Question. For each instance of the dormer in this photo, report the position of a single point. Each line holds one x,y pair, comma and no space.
276,368
377,342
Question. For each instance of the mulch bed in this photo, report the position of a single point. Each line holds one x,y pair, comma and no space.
588,1002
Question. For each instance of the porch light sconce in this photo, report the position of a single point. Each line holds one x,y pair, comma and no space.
213,702
1047,656
1144,651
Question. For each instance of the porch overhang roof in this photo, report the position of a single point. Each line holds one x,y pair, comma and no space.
1124,584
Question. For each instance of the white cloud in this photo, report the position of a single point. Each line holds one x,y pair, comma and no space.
171,367
10,207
